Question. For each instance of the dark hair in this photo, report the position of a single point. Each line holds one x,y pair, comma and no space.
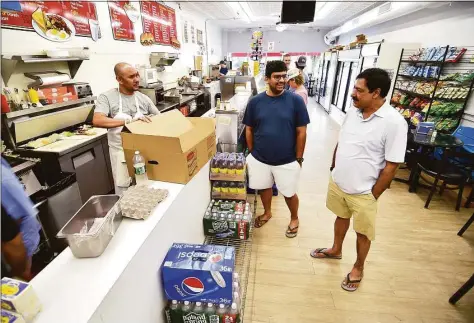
376,78
275,67
287,55
221,62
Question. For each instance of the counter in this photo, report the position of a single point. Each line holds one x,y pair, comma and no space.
185,98
124,284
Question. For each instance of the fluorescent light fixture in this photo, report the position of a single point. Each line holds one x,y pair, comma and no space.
325,10
246,9
281,28
235,6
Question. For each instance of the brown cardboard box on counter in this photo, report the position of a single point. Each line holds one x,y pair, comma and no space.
175,148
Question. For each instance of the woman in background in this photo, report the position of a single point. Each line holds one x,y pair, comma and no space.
296,83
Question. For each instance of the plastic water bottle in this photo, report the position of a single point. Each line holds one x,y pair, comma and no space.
221,311
140,168
211,315
175,311
186,308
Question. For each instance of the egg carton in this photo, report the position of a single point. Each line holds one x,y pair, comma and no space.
138,201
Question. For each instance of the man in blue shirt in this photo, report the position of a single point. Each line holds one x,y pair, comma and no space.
223,68
276,136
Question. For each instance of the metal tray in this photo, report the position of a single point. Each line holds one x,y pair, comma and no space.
93,241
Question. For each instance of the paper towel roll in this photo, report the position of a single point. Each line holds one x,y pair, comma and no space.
54,79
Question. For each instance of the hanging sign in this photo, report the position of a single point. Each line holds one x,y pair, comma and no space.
57,21
122,16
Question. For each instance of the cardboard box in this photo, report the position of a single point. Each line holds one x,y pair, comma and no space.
19,297
199,273
175,148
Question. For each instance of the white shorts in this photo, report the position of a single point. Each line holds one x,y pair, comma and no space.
262,176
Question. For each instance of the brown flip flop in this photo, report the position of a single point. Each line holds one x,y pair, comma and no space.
260,222
348,281
289,232
326,255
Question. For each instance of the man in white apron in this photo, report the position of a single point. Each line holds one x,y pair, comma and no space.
114,109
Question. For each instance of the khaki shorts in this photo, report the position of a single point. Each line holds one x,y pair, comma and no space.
362,206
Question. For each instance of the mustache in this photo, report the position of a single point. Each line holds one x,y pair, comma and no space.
354,98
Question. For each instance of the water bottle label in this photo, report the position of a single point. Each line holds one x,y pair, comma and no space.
213,319
140,169
194,318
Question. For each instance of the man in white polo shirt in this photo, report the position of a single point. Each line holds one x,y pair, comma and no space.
372,143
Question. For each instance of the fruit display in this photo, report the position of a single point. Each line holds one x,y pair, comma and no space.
405,100
444,124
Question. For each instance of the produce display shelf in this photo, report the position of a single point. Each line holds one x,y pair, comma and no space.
408,107
426,96
419,78
243,259
450,100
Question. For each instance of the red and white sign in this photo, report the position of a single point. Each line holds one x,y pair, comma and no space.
122,26
160,21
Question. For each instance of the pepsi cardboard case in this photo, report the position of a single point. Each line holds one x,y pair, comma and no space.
199,273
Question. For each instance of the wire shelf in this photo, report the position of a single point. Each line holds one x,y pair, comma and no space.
243,259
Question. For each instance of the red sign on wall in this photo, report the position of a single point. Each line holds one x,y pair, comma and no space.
17,14
122,26
159,21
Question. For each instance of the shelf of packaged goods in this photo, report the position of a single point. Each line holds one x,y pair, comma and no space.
460,100
426,96
244,265
419,78
409,108
422,62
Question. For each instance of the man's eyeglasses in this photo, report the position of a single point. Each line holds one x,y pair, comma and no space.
279,77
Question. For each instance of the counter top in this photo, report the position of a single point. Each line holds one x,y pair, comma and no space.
78,286
123,284
68,144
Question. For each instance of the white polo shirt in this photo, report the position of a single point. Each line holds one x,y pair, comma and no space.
365,145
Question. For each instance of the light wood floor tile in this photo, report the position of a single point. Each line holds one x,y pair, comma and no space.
415,263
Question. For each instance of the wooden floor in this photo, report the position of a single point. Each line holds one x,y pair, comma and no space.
416,262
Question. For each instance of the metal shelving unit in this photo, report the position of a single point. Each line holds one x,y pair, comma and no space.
243,260
446,117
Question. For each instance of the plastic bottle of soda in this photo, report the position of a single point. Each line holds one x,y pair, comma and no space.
236,287
140,168
210,312
233,314
173,312
221,312
236,299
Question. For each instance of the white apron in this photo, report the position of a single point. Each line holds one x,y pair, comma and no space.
122,179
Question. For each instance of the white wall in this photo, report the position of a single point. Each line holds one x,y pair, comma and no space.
106,52
447,25
286,41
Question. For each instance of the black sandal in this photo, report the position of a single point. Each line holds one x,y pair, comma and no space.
348,281
290,233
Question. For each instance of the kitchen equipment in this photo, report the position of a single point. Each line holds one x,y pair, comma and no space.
90,230
162,59
80,89
47,78
85,155
156,94
58,53
229,83
148,77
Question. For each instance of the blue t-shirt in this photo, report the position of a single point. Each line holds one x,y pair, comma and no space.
274,121
223,70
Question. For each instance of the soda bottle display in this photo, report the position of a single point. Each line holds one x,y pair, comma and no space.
241,188
215,164
140,168
221,312
232,166
186,308
236,287
210,312
233,315
224,187
216,186
233,187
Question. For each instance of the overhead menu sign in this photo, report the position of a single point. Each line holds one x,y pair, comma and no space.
123,14
159,23
81,14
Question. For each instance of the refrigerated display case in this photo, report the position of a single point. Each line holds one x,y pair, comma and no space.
330,69
347,59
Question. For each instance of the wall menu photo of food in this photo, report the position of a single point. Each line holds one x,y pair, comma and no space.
159,24
57,21
123,14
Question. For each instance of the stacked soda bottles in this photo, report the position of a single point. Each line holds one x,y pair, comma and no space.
228,219
228,163
228,187
198,312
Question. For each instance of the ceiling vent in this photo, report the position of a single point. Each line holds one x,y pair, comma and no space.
386,7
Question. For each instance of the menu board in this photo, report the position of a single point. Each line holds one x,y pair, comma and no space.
159,21
18,14
121,15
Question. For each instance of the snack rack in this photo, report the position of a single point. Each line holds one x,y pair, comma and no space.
434,84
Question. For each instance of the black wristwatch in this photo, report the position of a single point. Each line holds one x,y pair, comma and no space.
300,160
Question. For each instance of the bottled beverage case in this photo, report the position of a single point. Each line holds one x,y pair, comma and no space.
139,166
198,312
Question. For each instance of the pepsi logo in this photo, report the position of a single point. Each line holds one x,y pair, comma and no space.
192,286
